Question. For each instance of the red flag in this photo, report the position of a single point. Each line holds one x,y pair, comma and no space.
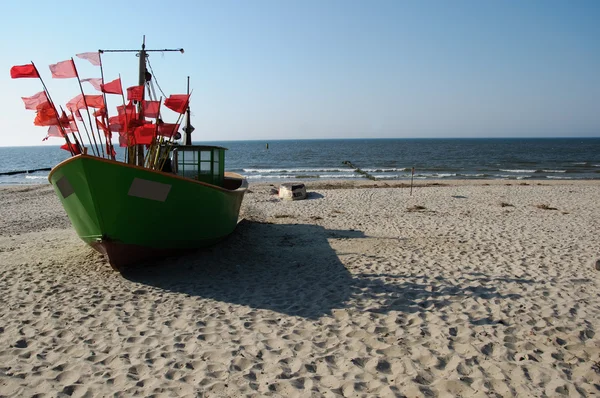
177,102
134,123
72,123
113,87
78,115
73,147
114,124
127,120
127,117
108,135
76,103
94,101
63,69
102,126
21,71
145,134
46,116
135,93
124,140
110,150
93,57
73,126
35,101
151,108
64,120
129,109
94,81
54,131
100,112
168,129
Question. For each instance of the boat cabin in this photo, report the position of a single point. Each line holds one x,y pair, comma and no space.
204,163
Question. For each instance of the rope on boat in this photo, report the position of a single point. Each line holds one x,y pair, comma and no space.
154,76
9,173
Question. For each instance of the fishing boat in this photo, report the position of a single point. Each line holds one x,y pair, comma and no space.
166,197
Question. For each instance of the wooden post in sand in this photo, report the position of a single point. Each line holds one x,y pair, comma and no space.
412,174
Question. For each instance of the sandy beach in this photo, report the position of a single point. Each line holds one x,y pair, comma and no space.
462,289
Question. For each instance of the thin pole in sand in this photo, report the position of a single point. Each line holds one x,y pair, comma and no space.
412,175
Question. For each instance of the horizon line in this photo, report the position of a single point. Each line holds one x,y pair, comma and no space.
353,138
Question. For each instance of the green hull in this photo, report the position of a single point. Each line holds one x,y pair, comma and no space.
130,213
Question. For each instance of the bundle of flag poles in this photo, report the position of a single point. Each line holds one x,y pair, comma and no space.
130,120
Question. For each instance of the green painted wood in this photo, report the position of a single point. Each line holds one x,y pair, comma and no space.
192,215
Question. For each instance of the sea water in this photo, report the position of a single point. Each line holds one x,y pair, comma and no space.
385,159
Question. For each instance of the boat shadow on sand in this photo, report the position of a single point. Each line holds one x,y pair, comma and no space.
292,269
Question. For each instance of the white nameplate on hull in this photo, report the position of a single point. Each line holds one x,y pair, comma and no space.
149,189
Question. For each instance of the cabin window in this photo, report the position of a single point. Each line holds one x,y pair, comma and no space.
205,162
187,164
205,167
216,168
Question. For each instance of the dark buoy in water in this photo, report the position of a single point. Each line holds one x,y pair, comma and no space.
267,145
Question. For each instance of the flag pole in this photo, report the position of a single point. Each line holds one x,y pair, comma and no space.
78,141
79,145
87,133
88,112
129,152
108,139
84,126
163,160
60,126
154,149
141,82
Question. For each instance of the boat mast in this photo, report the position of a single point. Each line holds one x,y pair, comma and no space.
143,53
139,149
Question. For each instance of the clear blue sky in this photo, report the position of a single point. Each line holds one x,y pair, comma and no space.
327,69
